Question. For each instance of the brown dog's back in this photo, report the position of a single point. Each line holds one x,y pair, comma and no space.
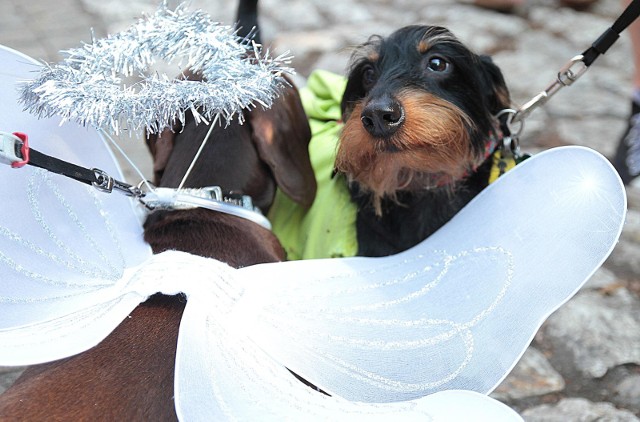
129,375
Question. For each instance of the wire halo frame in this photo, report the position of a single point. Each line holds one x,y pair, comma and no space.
87,86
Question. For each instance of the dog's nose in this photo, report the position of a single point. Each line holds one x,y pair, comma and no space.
382,116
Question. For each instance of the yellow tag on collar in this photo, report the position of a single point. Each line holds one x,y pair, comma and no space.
500,165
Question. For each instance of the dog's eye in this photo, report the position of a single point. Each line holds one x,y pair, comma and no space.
438,64
368,76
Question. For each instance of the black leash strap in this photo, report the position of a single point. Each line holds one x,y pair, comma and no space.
15,151
576,67
611,35
55,165
94,177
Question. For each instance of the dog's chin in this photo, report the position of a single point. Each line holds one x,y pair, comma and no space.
431,150
385,175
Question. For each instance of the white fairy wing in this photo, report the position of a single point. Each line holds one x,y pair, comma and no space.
456,311
63,244
221,374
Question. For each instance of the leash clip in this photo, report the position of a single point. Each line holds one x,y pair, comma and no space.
103,182
106,183
510,138
509,144
507,153
568,74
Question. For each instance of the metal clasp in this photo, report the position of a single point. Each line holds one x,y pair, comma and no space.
103,182
510,143
568,74
106,183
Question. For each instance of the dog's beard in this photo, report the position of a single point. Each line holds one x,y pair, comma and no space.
432,149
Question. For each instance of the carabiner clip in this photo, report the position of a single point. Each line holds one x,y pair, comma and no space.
510,142
507,127
567,75
106,183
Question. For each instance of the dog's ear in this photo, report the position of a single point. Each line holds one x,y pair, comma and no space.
247,19
281,135
353,91
160,145
497,93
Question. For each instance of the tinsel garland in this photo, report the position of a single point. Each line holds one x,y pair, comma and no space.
87,86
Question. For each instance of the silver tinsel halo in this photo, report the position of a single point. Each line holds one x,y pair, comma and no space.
86,86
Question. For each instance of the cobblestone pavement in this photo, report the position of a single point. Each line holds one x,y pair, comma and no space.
584,364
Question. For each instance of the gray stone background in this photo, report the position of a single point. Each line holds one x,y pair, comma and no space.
584,363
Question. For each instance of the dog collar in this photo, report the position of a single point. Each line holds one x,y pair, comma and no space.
492,145
15,151
210,197
504,150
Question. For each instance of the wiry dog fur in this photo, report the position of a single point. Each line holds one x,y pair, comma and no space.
418,114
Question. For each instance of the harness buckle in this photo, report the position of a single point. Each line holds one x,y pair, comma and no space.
14,149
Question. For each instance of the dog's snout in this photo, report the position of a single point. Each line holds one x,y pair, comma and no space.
382,117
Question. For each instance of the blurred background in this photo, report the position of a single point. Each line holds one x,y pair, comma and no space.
584,364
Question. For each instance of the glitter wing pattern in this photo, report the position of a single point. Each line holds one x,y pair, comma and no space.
60,241
426,333
245,383
456,312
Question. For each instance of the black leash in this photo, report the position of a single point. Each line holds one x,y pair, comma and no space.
611,35
55,165
15,150
576,67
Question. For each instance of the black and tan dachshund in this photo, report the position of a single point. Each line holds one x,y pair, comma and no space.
419,127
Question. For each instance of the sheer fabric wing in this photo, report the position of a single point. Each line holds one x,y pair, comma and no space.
62,244
458,310
221,374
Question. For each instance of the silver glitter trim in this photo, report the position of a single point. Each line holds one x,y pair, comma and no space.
87,86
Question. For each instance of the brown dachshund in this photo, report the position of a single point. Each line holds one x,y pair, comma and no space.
129,376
